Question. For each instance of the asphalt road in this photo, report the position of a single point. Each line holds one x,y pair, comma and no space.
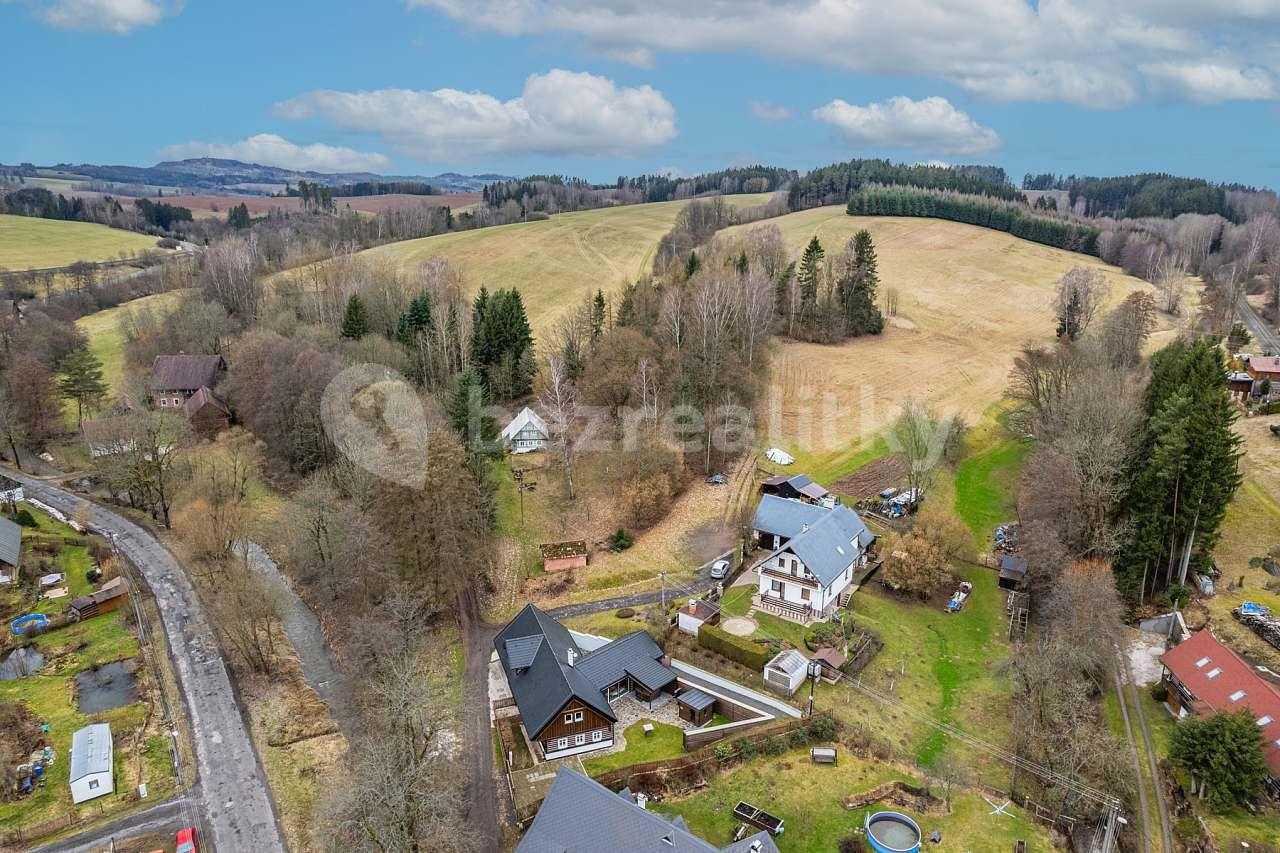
162,819
233,797
1265,336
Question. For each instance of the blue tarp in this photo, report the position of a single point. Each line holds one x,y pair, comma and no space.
1252,608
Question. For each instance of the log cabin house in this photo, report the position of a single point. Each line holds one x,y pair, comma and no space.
564,694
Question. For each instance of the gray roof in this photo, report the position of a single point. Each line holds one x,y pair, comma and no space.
8,484
827,540
185,372
635,654
91,751
789,661
579,815
543,687
784,517
10,541
522,650
696,699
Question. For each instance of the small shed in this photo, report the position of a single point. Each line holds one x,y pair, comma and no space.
696,706
10,542
786,672
695,614
1013,572
526,433
832,661
207,414
10,490
112,594
92,754
561,556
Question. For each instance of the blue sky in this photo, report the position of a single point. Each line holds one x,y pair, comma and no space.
611,87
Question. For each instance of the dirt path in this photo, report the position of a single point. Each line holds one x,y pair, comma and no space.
1148,749
1137,768
477,737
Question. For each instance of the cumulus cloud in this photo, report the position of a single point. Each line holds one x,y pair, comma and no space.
269,149
769,112
118,17
929,125
1096,53
560,112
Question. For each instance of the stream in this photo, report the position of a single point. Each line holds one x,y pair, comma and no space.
303,630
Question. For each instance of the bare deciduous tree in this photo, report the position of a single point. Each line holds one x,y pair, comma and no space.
559,399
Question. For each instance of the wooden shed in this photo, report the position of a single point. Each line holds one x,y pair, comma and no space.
561,556
696,706
111,596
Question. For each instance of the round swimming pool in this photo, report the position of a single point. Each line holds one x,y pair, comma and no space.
892,832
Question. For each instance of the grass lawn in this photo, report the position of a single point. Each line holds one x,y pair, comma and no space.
27,242
605,624
986,479
809,798
736,602
666,742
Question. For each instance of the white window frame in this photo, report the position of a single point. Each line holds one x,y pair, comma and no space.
568,718
562,743
579,739
93,784
597,736
164,402
577,716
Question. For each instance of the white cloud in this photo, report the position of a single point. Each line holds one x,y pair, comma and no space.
769,112
560,112
269,149
118,17
1208,82
1096,53
929,125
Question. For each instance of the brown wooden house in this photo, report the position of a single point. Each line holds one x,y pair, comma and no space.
175,378
207,414
564,693
112,595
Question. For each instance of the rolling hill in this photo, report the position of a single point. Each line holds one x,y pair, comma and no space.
30,243
554,262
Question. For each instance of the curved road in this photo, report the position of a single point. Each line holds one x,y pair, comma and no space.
1263,334
233,795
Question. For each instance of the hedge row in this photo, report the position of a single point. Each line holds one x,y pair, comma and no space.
750,653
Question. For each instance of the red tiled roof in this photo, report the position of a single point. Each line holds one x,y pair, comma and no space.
1214,674
1264,364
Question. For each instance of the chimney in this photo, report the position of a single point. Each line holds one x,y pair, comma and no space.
570,656
642,799
693,605
804,527
756,846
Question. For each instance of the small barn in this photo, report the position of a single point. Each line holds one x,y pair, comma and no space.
207,414
695,614
786,672
526,433
562,556
10,490
797,488
1013,572
112,594
92,754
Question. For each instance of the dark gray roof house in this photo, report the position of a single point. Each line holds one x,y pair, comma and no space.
796,487
580,815
10,542
547,670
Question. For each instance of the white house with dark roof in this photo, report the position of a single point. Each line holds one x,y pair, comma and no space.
814,553
580,814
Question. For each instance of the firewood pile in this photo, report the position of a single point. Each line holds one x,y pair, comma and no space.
1260,620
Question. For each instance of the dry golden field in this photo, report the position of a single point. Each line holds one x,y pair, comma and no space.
968,297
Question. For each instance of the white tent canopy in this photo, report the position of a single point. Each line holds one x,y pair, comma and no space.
779,456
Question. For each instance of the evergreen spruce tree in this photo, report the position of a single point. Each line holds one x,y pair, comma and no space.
810,271
416,320
857,289
692,265
599,312
81,380
502,344
238,217
355,320
465,407
1183,472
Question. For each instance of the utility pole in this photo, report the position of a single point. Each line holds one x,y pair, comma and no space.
814,669
517,474
663,578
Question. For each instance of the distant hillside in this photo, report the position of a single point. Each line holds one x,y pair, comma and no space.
209,173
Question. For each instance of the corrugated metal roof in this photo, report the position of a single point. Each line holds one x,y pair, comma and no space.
91,751
790,662
10,542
